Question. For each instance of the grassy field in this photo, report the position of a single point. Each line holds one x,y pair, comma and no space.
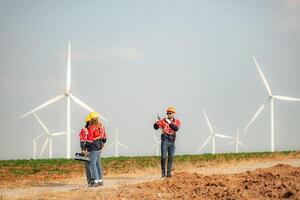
45,169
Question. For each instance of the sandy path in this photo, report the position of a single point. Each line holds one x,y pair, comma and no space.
115,181
72,184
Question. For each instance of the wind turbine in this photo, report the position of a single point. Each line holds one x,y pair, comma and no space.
156,145
69,96
270,100
34,145
117,143
212,135
48,139
237,142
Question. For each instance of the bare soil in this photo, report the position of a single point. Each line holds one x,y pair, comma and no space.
278,182
278,179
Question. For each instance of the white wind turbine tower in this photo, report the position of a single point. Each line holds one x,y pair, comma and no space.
156,145
34,145
237,141
212,135
117,144
270,100
48,139
69,96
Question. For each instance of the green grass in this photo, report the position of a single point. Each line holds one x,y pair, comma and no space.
23,168
125,164
38,162
144,161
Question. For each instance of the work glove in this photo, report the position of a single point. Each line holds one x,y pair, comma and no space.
168,121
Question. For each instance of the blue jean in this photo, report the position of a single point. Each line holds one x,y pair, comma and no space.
95,166
167,146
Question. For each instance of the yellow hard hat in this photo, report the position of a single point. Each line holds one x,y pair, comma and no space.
88,118
171,109
94,115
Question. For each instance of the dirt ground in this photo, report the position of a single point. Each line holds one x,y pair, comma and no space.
278,182
247,180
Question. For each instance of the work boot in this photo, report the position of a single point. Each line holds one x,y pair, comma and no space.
90,183
95,184
163,167
169,175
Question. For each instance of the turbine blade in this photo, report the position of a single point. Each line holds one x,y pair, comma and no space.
203,145
230,143
285,98
41,123
53,100
44,146
243,145
262,76
254,117
83,105
123,145
208,122
68,79
58,133
38,137
223,136
80,103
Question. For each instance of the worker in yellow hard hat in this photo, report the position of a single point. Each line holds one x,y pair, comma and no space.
93,115
83,139
87,118
95,142
169,126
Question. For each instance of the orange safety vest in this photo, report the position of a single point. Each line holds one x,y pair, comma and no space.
163,124
96,132
83,134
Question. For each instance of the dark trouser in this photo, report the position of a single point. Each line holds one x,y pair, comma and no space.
88,172
167,146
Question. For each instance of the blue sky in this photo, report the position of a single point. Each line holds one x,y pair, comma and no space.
132,59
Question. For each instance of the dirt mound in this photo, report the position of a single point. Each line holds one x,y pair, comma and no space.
278,182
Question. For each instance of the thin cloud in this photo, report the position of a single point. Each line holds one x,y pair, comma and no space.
290,20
